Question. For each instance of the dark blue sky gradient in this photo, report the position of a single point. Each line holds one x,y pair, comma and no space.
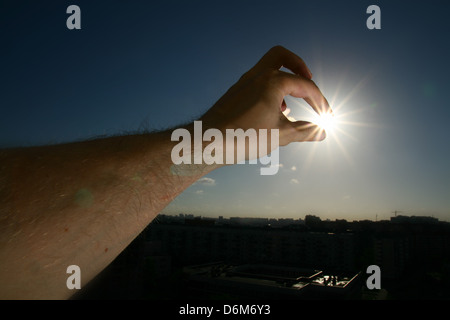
156,64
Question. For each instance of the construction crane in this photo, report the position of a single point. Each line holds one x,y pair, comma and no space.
396,211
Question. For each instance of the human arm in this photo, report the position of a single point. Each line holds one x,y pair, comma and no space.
82,203
78,204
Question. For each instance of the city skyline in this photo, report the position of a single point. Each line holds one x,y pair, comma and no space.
396,216
152,66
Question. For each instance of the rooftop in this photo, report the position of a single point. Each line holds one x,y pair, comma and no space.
273,281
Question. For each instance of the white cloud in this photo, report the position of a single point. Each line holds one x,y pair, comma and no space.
275,165
206,181
294,181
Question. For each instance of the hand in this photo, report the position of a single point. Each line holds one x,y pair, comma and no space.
257,99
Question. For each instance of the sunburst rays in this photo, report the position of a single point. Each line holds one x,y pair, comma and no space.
340,126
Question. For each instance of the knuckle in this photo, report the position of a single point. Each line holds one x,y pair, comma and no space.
273,79
268,76
277,49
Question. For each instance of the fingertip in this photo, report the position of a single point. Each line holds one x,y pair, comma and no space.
316,133
322,135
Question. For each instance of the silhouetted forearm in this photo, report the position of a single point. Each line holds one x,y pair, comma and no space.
79,203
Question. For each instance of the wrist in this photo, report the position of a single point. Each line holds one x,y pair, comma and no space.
195,151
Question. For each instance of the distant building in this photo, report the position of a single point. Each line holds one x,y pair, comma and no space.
200,243
414,219
279,258
392,255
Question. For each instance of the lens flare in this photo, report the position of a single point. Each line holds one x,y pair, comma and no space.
326,121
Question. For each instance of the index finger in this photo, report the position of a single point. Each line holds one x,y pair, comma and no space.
300,87
278,57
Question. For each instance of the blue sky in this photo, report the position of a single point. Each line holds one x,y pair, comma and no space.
156,64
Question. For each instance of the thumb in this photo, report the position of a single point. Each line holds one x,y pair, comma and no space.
306,131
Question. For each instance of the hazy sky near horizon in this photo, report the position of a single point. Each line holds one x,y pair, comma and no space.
157,64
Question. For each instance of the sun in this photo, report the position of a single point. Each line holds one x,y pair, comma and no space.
340,124
326,121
